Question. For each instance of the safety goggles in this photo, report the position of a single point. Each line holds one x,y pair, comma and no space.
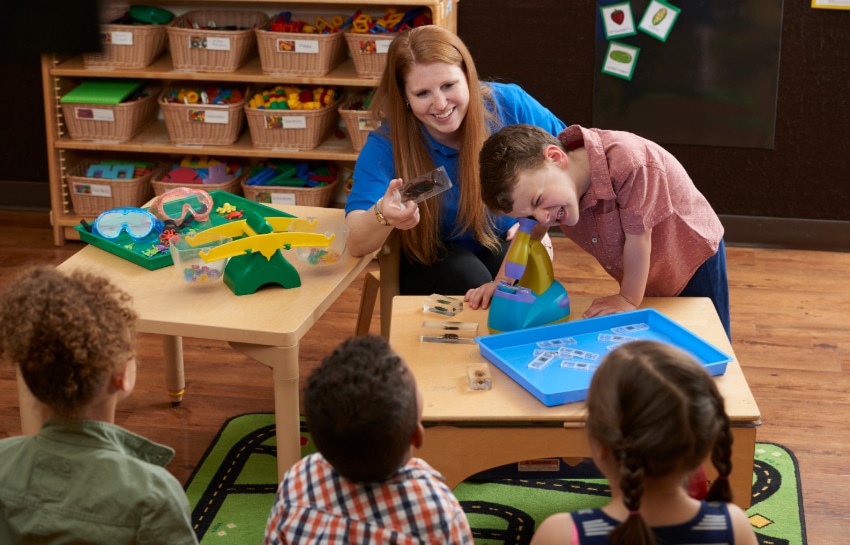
136,222
182,204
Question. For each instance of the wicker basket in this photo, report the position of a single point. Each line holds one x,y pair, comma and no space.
110,122
233,186
208,124
291,129
359,124
91,196
206,50
369,52
299,54
303,196
126,46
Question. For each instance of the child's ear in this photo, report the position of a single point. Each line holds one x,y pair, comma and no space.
556,155
120,381
418,436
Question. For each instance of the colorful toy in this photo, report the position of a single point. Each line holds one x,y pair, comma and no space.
282,172
392,21
202,170
189,265
256,259
537,298
283,23
212,94
291,97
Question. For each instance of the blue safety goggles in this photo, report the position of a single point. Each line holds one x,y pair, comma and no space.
136,222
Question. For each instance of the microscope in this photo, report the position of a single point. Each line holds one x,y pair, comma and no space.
535,298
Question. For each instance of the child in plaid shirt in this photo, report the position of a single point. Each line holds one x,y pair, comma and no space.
364,411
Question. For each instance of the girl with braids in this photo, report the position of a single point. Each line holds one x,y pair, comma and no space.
434,111
654,415
81,479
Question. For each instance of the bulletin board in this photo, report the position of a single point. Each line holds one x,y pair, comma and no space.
689,71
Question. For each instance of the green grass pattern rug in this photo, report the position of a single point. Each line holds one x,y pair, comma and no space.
233,487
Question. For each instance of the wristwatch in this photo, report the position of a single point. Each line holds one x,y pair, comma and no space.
378,214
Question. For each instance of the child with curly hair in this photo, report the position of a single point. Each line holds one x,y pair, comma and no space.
653,416
81,479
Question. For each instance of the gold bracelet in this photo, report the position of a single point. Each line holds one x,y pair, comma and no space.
378,214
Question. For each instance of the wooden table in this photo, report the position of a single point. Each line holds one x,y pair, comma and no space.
470,431
267,325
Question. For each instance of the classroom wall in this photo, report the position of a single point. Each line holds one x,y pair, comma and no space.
548,47
797,194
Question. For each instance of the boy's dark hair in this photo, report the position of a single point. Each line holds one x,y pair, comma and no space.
360,406
506,153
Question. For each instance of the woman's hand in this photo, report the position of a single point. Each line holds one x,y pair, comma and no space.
400,215
480,297
367,233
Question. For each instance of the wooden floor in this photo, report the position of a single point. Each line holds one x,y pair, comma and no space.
791,330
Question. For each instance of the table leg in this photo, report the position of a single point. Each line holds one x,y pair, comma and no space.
32,416
283,361
175,380
743,453
460,451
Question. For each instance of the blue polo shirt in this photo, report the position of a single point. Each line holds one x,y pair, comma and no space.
375,166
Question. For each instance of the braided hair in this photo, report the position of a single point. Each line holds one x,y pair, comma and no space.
658,411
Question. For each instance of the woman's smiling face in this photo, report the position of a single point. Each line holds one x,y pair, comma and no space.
438,95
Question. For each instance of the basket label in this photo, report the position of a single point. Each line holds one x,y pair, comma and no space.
297,46
212,43
286,122
219,117
382,46
95,190
283,198
117,37
364,124
94,114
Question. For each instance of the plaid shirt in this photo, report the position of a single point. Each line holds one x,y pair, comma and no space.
315,504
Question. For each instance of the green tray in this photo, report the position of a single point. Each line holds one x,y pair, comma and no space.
131,250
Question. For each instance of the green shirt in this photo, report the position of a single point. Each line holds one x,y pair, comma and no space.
83,481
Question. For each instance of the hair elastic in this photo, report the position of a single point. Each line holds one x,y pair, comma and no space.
634,513
723,477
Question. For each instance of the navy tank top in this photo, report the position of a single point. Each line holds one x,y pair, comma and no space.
710,526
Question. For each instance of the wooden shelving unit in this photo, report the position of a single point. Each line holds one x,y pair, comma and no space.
59,74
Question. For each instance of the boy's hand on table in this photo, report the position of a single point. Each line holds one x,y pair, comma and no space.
611,304
480,297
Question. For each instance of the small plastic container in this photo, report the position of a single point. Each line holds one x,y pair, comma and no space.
322,256
189,265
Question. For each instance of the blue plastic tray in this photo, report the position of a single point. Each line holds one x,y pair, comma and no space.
555,384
